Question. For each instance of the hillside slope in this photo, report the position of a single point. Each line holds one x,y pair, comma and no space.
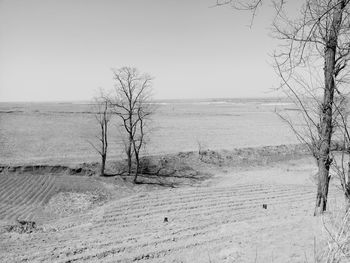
221,220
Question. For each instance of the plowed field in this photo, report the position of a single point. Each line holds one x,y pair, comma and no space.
21,195
205,224
24,196
220,220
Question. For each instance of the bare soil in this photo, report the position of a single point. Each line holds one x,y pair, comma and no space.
250,206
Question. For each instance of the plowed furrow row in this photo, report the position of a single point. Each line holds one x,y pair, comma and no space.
45,186
6,210
23,188
168,196
179,232
230,218
187,240
21,194
4,179
22,212
204,203
133,230
46,197
33,198
108,256
39,197
130,209
3,209
120,247
9,191
197,218
19,210
223,218
5,186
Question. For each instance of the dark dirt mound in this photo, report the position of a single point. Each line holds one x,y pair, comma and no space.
23,227
166,170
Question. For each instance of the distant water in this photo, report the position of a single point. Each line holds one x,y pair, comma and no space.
49,132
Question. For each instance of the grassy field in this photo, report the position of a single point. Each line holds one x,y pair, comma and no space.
61,132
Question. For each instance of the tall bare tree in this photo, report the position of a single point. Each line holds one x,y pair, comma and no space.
341,167
131,104
103,117
321,32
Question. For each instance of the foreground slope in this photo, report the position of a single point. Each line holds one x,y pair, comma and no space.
221,221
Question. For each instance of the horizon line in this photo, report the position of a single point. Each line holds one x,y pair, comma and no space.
152,100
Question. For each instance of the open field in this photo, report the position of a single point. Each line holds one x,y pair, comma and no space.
143,131
209,210
220,219
60,132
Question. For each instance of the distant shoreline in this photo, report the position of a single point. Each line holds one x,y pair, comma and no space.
185,100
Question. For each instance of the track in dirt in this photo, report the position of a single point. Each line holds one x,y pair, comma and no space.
132,229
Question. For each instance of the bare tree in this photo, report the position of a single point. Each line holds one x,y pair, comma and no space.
103,117
131,104
320,37
317,35
341,167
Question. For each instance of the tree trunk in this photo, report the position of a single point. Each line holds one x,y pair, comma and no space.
136,175
324,159
137,166
103,164
129,159
104,141
322,186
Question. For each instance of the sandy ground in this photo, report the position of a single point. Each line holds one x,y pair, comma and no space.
220,220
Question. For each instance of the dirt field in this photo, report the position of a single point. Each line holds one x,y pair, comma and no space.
220,219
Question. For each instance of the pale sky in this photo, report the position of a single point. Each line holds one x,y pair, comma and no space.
59,50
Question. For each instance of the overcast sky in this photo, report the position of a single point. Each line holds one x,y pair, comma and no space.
54,50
